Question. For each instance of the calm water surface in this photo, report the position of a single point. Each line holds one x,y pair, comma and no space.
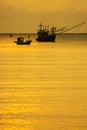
43,86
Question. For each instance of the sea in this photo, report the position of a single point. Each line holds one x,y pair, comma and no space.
43,86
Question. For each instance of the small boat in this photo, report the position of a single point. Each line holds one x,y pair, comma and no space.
46,35
20,41
11,35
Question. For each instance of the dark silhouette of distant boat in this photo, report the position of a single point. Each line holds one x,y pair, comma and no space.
11,35
44,34
20,41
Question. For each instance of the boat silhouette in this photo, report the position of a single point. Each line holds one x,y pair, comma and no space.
20,41
44,34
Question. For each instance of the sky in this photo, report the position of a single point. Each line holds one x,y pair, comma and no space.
23,16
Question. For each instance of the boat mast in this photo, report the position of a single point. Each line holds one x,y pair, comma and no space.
40,27
53,30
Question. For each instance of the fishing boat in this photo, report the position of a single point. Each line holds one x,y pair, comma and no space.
45,34
20,41
11,35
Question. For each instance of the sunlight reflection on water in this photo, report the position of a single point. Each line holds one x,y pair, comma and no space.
43,86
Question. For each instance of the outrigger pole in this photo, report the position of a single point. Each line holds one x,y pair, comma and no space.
72,27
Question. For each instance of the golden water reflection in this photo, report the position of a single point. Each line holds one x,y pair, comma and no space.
43,87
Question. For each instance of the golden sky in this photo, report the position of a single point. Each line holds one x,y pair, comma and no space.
25,15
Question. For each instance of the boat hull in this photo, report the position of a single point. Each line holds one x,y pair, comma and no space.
50,38
23,43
